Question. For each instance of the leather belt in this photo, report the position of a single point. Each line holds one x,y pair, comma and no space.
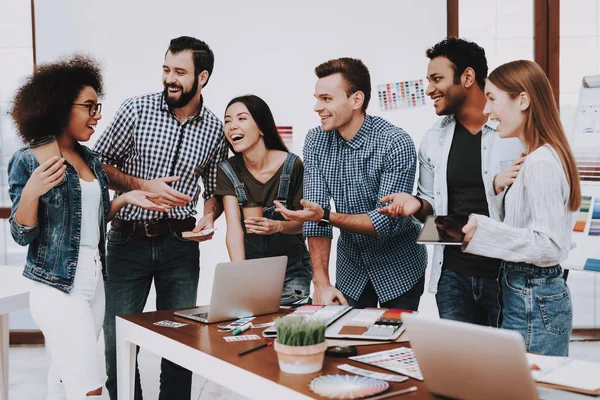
154,228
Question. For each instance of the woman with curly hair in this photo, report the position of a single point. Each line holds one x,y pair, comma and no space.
60,209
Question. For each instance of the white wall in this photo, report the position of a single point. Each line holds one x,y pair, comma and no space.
268,48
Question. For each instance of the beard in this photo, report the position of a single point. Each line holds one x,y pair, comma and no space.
453,98
184,98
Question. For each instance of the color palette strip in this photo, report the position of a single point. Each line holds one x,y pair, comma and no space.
584,213
286,135
397,95
588,163
595,224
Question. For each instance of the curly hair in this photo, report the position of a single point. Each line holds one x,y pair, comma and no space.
463,54
42,105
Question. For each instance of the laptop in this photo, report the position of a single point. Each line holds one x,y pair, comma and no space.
443,229
242,289
466,361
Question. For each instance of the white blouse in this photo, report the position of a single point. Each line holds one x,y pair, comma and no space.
537,222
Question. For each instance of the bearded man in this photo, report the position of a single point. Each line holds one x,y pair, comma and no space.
163,143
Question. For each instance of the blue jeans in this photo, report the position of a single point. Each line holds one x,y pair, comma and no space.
468,298
536,302
296,286
133,261
407,301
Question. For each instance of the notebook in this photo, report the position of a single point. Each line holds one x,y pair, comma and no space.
328,313
566,373
368,324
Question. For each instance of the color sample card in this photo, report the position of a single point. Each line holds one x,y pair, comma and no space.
401,360
592,264
371,374
588,162
265,325
584,213
595,224
235,324
170,324
241,338
397,95
286,135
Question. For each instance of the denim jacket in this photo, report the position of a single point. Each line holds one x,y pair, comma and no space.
54,240
496,154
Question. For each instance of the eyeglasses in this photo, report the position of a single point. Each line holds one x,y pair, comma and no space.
93,108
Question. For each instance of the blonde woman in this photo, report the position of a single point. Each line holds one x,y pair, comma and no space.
536,205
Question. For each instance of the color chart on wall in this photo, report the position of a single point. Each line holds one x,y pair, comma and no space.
407,94
588,162
286,135
595,224
584,213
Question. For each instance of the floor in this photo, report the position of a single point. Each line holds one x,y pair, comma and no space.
28,370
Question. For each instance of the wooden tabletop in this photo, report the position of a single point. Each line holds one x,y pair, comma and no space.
263,362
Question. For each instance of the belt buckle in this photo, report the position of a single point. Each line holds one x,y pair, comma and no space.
149,234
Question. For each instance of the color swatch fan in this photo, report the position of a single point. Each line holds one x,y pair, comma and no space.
347,386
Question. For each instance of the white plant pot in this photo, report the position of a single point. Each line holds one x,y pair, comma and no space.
300,359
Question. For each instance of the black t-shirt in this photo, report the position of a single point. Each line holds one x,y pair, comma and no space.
466,195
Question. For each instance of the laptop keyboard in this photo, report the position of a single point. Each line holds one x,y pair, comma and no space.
203,315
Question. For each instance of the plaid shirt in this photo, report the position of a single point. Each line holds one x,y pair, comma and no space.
147,141
380,160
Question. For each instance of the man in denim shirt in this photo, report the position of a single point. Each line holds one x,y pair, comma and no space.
356,159
461,158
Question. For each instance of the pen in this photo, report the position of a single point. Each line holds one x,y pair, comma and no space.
242,328
260,346
396,393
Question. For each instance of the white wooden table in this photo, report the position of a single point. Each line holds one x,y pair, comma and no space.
14,296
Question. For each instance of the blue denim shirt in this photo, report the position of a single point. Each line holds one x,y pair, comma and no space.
54,240
496,154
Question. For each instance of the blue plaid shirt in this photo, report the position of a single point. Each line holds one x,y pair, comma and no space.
147,141
380,160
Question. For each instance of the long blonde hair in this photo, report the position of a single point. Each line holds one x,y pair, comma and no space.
542,122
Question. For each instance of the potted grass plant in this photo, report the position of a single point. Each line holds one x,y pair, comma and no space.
300,344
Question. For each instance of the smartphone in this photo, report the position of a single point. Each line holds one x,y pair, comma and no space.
44,148
443,229
204,232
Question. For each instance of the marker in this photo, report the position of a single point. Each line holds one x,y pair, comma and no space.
260,346
242,329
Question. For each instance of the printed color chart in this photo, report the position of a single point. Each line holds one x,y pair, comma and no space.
588,162
407,94
595,225
401,360
584,212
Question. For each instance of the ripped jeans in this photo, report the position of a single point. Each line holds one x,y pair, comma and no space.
298,274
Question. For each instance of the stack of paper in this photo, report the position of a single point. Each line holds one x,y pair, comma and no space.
566,373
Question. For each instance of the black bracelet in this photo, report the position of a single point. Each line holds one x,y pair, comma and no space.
421,202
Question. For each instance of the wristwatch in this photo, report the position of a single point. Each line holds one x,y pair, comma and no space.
324,221
420,201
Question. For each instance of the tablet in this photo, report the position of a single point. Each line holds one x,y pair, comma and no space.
443,229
